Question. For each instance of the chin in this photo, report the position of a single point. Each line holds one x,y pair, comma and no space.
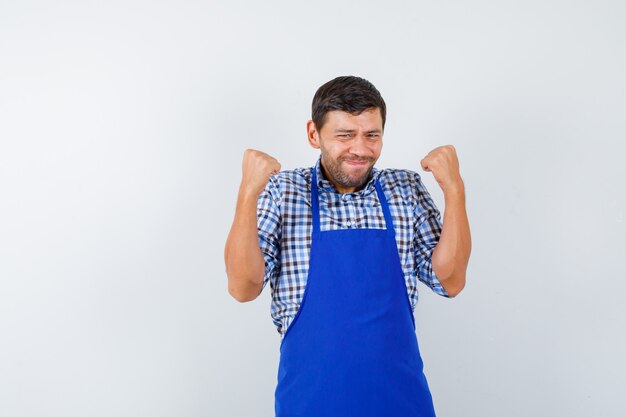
358,180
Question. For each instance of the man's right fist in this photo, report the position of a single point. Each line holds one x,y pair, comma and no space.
257,168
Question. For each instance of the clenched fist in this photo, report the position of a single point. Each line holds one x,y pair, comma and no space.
444,164
257,168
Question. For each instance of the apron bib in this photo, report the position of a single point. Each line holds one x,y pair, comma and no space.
351,349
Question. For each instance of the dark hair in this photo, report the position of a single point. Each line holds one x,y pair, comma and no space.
347,93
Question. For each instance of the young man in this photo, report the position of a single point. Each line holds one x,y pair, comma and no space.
343,245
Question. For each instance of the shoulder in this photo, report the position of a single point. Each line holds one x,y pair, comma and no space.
400,183
288,183
292,180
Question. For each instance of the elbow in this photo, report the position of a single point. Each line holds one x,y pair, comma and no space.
241,296
454,293
454,287
452,280
242,289
243,284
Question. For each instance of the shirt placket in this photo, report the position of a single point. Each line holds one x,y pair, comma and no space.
350,210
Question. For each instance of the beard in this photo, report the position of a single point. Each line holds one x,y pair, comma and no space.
346,178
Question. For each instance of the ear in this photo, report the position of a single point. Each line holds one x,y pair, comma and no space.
312,134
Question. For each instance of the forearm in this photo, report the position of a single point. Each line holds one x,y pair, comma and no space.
245,265
451,255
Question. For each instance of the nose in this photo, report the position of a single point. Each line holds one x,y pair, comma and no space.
360,147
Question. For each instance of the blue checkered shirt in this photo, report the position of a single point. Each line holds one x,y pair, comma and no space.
284,219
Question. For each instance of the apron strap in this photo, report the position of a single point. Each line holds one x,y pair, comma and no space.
383,202
315,204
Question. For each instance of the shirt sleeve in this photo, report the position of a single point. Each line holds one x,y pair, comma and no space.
269,229
427,231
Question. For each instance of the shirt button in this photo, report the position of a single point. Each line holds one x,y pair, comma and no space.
348,224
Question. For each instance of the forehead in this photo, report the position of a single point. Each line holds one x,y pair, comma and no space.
369,118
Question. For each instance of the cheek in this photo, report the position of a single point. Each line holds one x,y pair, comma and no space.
373,148
339,150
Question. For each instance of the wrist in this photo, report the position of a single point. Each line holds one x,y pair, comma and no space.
455,190
248,193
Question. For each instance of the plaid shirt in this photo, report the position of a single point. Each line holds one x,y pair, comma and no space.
284,220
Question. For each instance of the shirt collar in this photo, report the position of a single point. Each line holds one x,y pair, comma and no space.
324,184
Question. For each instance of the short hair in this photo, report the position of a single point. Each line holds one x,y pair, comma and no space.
347,93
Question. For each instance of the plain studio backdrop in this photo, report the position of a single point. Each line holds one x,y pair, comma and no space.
123,125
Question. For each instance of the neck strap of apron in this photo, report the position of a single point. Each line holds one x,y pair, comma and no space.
316,209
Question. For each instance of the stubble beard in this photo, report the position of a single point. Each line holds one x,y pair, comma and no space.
340,176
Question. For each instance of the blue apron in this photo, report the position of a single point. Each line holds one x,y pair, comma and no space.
351,349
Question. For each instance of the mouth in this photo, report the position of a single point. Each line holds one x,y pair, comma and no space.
356,163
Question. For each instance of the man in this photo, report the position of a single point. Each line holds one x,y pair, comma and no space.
343,245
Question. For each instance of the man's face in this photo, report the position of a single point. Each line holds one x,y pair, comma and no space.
350,146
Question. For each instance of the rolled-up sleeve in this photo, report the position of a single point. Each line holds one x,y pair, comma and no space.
427,231
269,229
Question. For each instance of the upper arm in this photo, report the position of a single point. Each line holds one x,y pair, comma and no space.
269,229
426,233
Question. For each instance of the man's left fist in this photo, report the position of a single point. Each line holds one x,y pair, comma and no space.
444,165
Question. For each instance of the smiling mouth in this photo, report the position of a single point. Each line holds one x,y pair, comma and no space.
356,163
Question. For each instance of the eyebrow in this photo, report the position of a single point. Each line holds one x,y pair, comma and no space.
352,131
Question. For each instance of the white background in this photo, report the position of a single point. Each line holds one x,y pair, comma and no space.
122,128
